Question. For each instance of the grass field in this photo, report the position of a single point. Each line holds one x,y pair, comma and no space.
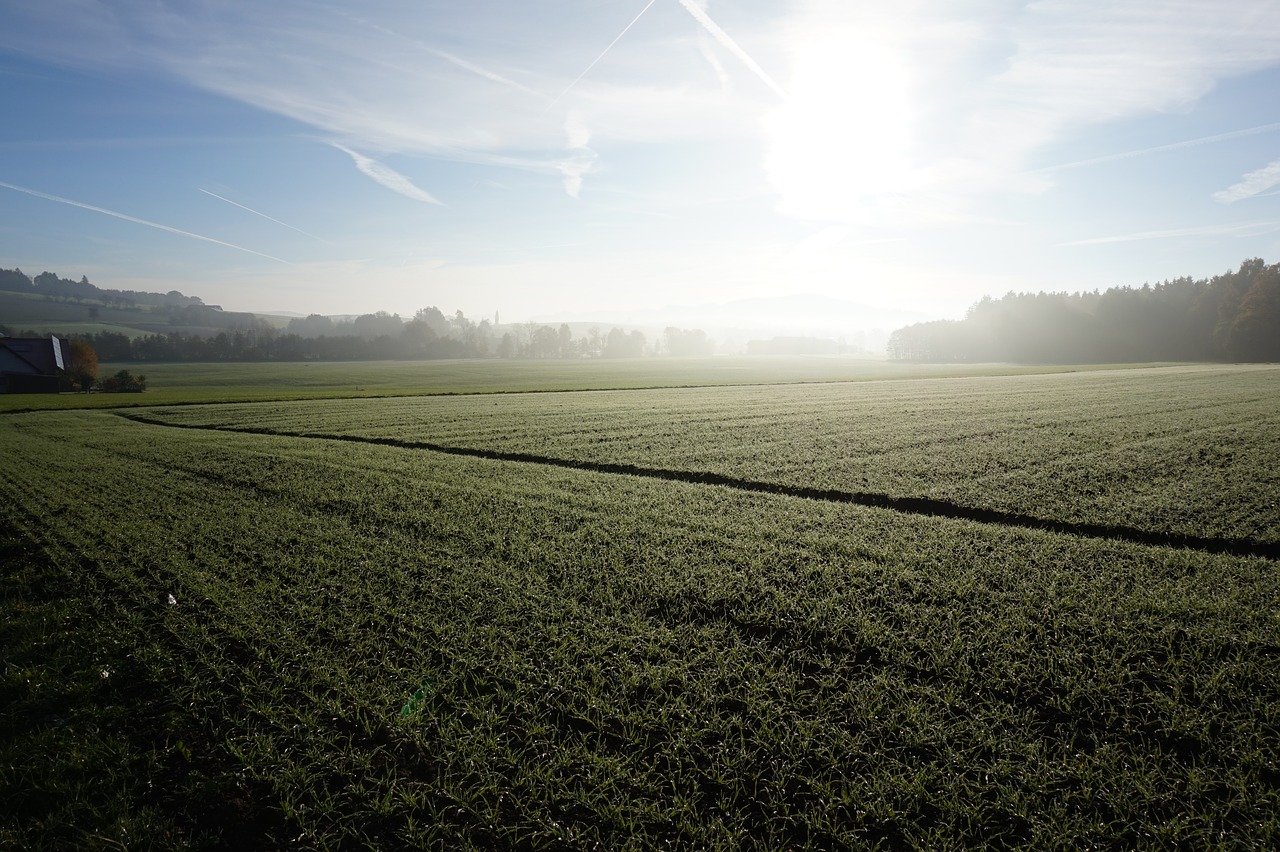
1194,452
172,384
1023,611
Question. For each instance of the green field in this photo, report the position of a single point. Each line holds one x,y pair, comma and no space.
176,384
36,311
1192,451
1033,611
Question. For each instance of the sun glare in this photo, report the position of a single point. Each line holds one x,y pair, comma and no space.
842,137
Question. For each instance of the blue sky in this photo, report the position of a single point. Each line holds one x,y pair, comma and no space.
563,158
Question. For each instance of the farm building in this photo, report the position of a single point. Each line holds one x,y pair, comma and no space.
32,364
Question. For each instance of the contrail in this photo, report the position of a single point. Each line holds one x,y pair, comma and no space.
478,70
263,215
464,64
732,46
557,98
388,177
1188,143
1242,229
138,221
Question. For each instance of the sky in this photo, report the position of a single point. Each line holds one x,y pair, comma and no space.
593,157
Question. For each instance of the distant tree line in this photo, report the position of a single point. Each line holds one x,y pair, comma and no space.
372,338
263,344
430,334
81,373
414,342
1234,316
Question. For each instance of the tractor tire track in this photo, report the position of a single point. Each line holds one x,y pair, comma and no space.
921,506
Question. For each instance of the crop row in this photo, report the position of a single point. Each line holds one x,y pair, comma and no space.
404,648
1191,451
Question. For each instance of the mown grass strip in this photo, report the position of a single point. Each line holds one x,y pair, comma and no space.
908,505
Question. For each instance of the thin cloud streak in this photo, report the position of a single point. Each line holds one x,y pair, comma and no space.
49,197
263,215
707,49
479,71
1188,143
982,95
731,45
1242,229
466,65
616,39
388,177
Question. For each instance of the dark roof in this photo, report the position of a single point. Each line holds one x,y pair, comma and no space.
42,356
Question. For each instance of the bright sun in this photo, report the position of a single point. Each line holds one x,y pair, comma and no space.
842,138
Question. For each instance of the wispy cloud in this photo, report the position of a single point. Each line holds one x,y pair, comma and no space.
935,108
1253,184
706,46
388,80
581,158
259,213
388,177
464,64
732,46
1079,62
947,105
480,71
1241,229
50,197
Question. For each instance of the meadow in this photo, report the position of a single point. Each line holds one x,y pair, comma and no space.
196,383
1029,611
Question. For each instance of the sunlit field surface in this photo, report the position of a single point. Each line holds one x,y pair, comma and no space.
1032,611
1183,451
169,384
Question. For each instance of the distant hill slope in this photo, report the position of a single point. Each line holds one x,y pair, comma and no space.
31,312
51,305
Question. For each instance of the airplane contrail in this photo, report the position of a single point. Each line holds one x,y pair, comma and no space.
49,197
731,45
557,98
1186,143
1242,229
263,215
478,70
464,64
